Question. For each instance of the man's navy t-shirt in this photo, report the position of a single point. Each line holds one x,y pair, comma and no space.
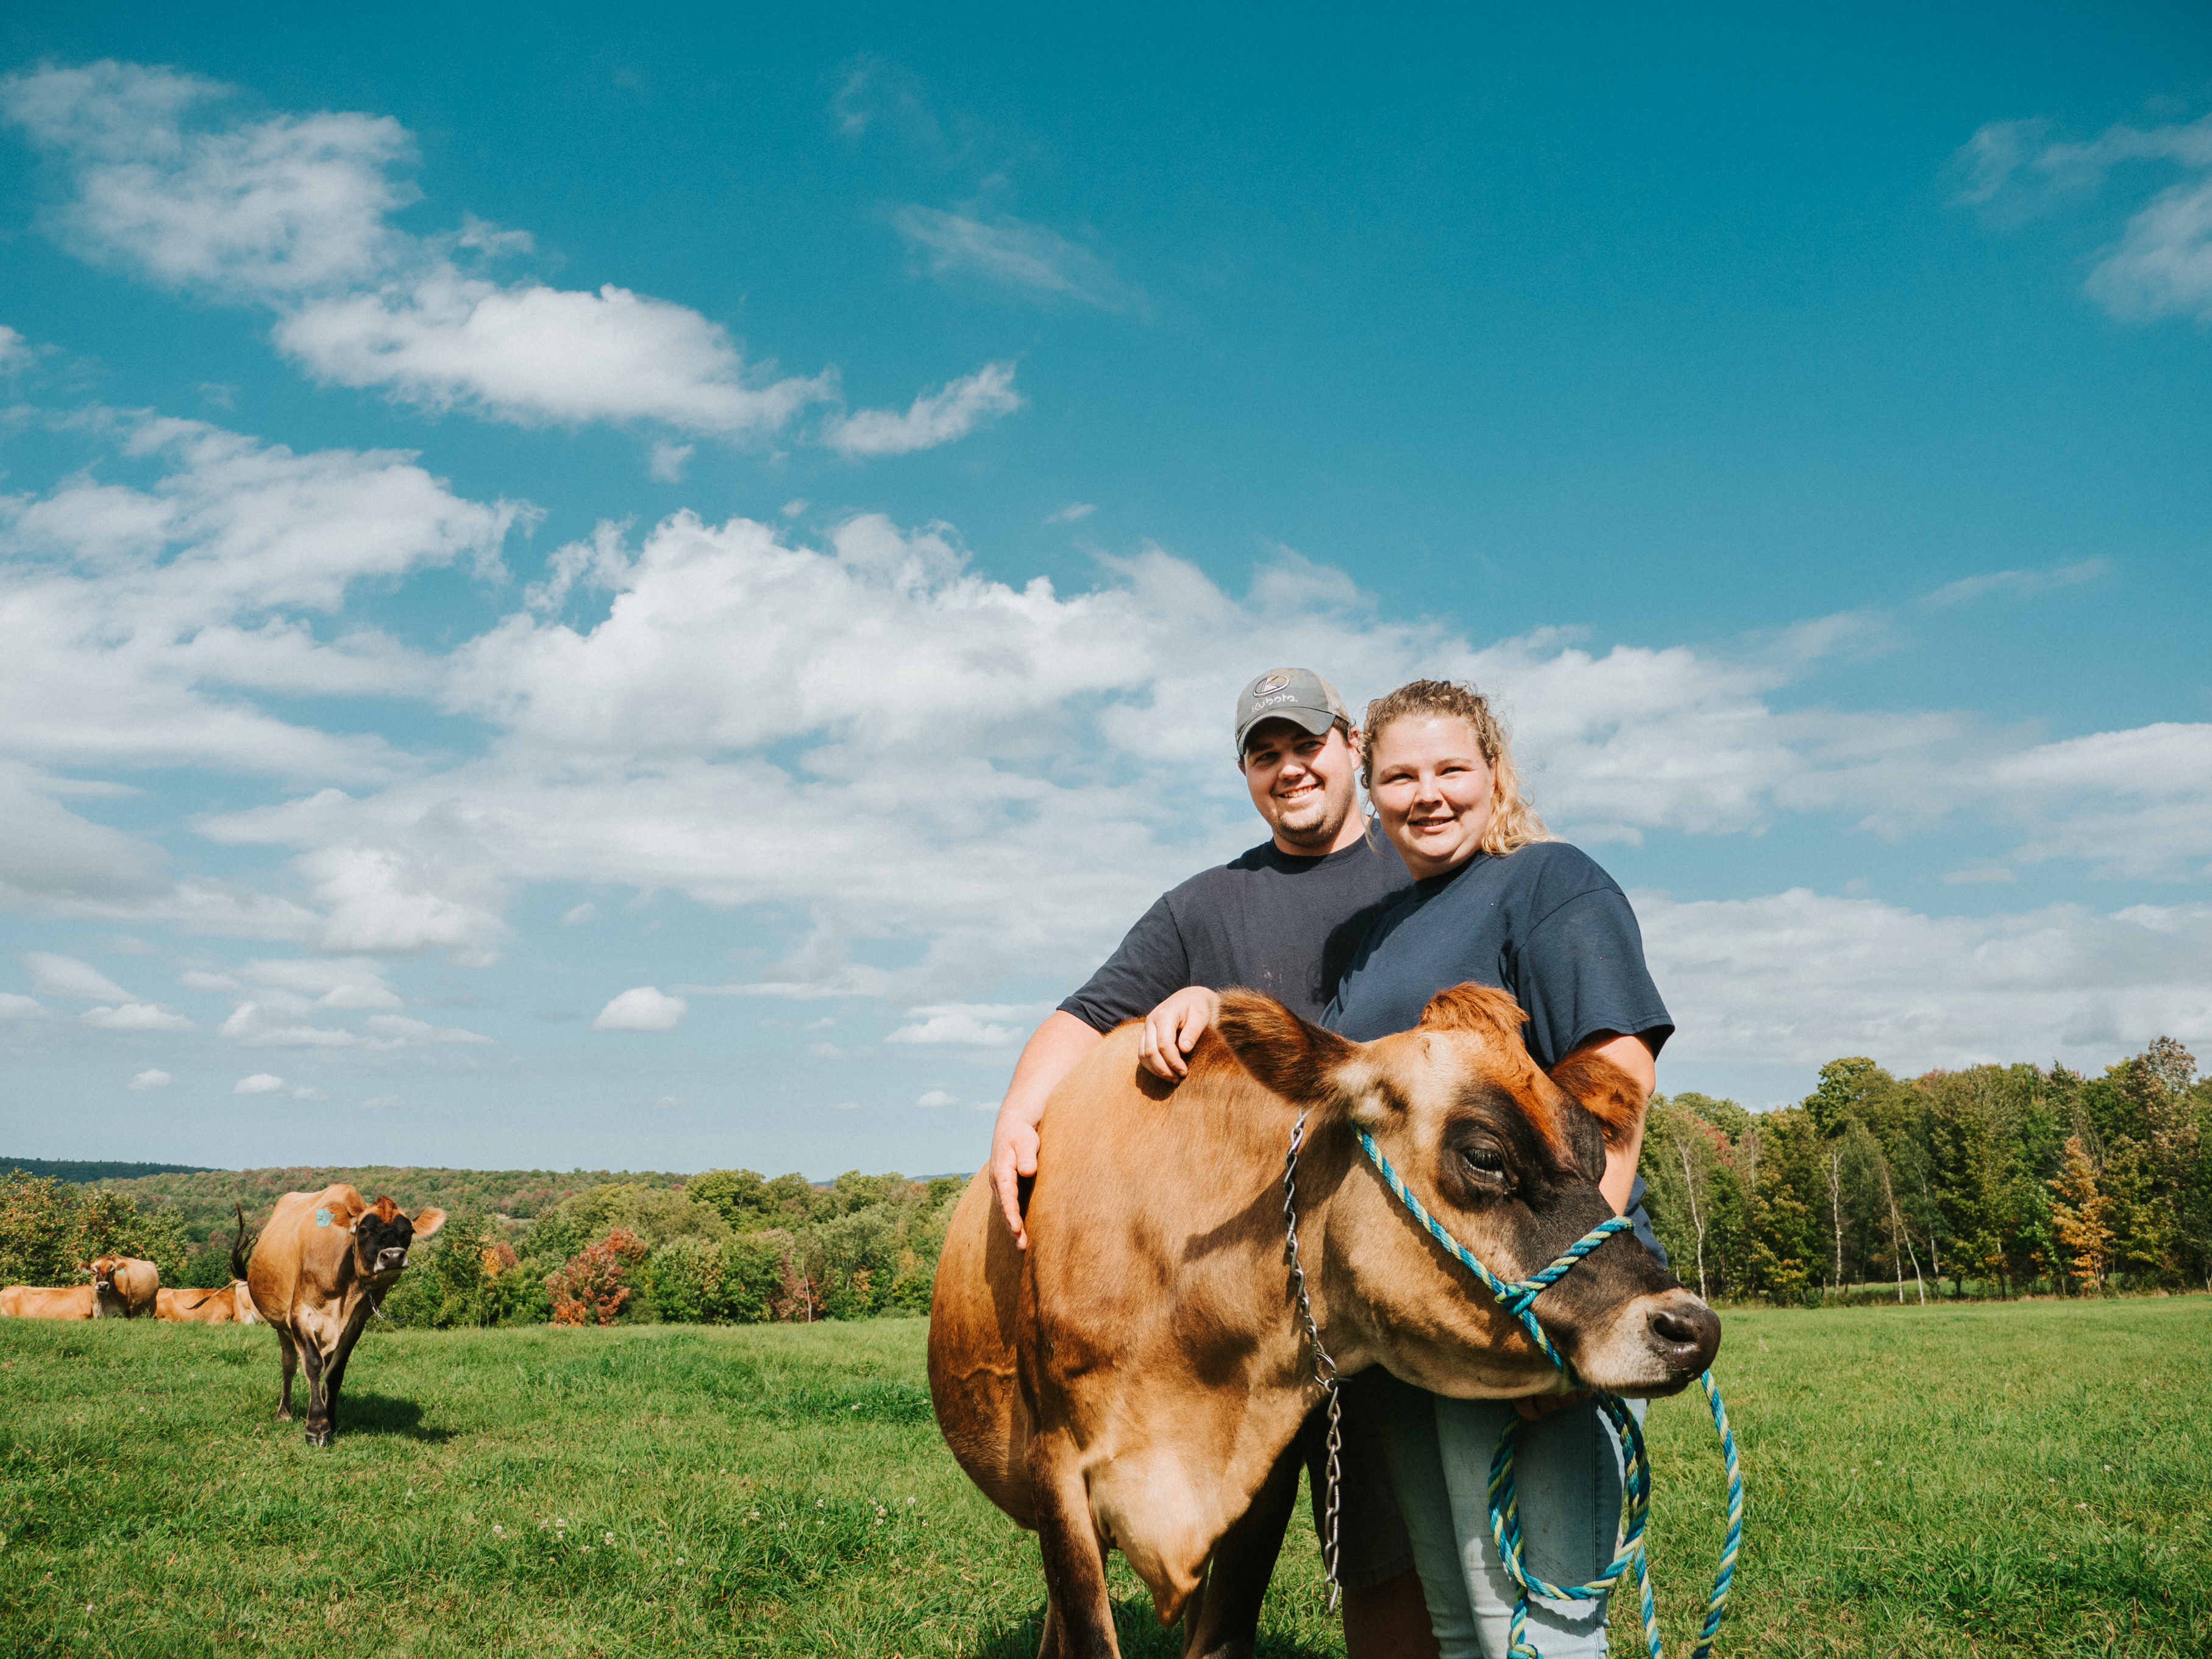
1267,919
1543,924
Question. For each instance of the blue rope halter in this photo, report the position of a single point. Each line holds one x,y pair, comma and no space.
1518,1299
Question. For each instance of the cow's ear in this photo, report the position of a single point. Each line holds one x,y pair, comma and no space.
427,1222
1608,1094
1298,1060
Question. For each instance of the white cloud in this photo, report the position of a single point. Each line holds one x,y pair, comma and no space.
937,1097
136,1017
332,983
668,461
1800,977
1008,250
582,913
15,1007
2021,584
536,356
261,1025
53,975
933,418
294,213
152,1079
1072,513
261,1082
397,1028
643,1008
2162,266
983,1026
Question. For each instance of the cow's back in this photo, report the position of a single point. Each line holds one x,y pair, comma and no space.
40,1302
973,1381
138,1282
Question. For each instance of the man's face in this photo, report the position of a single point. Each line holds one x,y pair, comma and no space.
1301,784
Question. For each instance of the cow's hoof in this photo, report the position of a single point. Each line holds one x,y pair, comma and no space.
318,1436
283,1417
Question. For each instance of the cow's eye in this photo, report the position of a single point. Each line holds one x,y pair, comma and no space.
1483,1160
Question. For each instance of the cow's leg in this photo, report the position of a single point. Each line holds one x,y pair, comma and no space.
1222,1621
1079,1617
334,1379
319,1400
290,1352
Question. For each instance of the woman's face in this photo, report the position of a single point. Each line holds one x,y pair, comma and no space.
1432,790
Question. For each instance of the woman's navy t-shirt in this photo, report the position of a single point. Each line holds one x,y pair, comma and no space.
1543,924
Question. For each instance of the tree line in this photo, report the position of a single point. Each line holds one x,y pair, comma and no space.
1995,1180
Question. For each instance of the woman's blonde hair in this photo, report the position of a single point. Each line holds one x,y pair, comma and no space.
1513,821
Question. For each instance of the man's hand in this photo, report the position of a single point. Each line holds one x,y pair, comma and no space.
1053,1050
1535,1406
1014,1155
1173,1028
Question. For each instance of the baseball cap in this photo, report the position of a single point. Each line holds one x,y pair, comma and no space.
1297,695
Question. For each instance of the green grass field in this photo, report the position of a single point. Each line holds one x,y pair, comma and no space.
2027,1478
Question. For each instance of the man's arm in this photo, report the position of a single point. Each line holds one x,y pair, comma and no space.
1052,1052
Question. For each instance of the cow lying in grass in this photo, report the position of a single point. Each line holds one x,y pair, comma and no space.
1135,1380
322,1263
227,1304
37,1301
123,1286
231,1303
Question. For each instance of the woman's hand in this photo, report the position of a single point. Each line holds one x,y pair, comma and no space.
1173,1028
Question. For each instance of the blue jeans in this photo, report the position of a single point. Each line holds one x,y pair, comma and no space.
1567,1469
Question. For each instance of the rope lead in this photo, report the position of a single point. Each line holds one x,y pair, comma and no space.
1518,1299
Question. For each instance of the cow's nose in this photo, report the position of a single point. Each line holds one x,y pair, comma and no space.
1688,1330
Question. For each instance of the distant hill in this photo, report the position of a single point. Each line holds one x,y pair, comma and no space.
204,1198
80,1170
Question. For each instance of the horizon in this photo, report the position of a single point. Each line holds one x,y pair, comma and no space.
662,594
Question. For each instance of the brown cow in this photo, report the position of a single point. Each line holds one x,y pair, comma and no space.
1136,1379
222,1306
37,1301
123,1286
228,1304
322,1263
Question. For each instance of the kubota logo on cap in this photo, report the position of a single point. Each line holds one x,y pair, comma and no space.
1272,683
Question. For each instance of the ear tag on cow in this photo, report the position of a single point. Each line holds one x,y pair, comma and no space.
322,1218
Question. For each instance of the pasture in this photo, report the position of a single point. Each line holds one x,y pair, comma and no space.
2015,1479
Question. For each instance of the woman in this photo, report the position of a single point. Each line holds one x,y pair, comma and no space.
1496,900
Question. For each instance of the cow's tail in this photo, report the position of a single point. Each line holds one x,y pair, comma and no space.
240,1250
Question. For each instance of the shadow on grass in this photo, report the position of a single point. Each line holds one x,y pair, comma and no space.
378,1413
1139,1633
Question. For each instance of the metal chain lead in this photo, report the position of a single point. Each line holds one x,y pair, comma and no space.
1324,1374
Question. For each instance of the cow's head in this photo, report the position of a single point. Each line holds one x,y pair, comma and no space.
103,1272
1507,1159
383,1235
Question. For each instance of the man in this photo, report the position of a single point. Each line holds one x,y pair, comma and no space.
1284,918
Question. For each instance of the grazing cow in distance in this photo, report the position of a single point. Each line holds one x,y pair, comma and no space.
322,1263
37,1301
123,1286
1137,1378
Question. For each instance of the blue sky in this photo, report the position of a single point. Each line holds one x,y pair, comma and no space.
650,597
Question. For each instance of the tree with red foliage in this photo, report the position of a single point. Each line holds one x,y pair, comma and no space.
589,1290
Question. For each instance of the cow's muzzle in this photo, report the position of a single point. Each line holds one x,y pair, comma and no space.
391,1260
1687,1332
1654,1345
